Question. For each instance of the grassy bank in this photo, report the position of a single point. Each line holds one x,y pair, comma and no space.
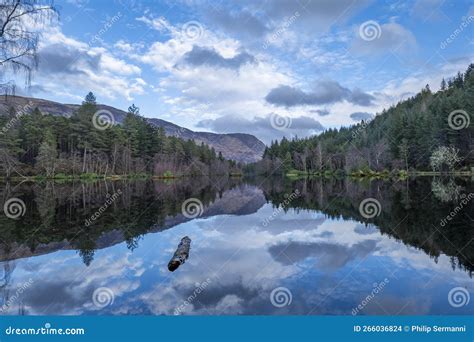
399,174
94,177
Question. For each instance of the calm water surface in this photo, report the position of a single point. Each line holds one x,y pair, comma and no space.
306,237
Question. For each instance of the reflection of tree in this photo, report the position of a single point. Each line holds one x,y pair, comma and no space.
86,243
413,217
8,268
132,242
446,191
56,213
45,200
410,216
87,255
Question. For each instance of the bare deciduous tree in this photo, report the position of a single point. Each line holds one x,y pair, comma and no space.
19,37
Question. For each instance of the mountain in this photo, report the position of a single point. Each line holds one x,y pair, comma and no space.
237,146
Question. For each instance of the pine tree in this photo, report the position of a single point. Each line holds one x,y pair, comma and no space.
90,99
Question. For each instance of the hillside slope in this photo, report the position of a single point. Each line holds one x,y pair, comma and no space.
431,130
236,146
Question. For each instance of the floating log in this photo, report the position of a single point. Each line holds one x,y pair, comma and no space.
181,254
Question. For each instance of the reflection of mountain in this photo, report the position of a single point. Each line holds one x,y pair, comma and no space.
141,209
329,264
56,214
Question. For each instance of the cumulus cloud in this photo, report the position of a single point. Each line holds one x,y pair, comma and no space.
69,67
262,127
359,116
360,98
163,56
199,56
58,58
325,92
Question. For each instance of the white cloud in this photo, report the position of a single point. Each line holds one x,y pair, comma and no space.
164,55
69,67
391,37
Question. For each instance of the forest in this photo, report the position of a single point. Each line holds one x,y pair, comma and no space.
50,146
429,131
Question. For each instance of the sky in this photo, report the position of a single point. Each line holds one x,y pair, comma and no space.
269,68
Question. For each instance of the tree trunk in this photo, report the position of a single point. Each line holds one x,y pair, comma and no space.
84,160
181,254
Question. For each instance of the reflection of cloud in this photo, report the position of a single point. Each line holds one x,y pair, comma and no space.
70,290
364,229
329,256
394,305
244,262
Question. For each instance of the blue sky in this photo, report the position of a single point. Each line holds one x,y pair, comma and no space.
233,66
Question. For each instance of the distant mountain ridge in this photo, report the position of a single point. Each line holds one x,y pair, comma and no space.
237,146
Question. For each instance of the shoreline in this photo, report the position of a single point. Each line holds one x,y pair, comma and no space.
291,175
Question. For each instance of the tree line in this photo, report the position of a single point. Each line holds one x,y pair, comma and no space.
427,131
83,145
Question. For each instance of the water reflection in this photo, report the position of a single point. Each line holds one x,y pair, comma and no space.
318,246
